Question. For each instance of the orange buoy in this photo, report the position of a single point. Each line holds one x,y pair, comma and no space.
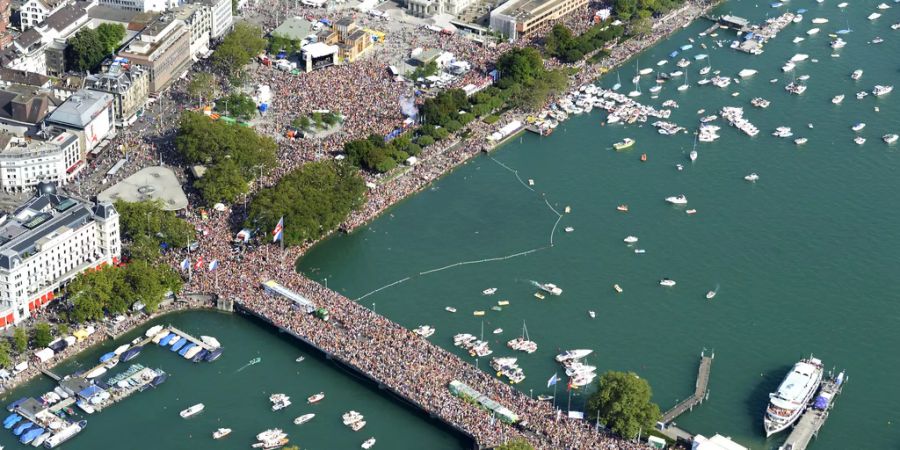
643,157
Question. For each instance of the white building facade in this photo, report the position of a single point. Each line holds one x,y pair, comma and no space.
46,243
24,163
34,12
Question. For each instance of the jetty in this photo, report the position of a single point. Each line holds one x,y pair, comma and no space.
815,416
701,391
188,337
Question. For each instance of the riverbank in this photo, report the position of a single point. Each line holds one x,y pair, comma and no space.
435,164
107,330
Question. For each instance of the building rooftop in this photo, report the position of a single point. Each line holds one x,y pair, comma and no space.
43,217
319,49
117,79
524,9
67,16
294,28
108,13
22,77
24,104
15,147
28,38
81,108
151,183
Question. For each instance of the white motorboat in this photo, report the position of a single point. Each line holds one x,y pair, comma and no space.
783,132
819,20
192,411
858,127
667,282
800,141
788,66
498,330
550,288
96,372
592,314
857,74
859,140
630,239
889,138
693,155
677,199
153,331
304,418
883,6
356,426
583,379
861,95
121,349
221,432
655,89
746,73
450,309
618,288
351,416
842,5
799,39
705,70
573,355
645,71
569,229
812,31
873,16
489,291
300,359
752,177
210,341
315,398
837,99
640,251
368,443
881,90
424,330
710,295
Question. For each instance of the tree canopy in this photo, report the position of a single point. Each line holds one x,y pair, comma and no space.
563,45
631,9
527,82
238,48
233,154
89,47
116,289
622,402
378,155
202,86
278,43
313,200
42,334
237,105
149,228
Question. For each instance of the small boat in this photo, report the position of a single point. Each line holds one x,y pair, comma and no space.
630,239
167,339
450,309
107,356
819,20
799,39
667,282
640,251
693,155
503,303
193,352
842,5
177,343
812,31
857,74
530,182
617,288
859,140
690,212
478,313
622,208
837,99
186,348
752,177
221,432
677,199
710,295
539,296
624,144
889,138
40,439
859,126
873,16
356,426
315,398
800,141
131,353
643,157
489,291
153,331
192,411
304,418
96,372
368,443
210,341
214,355
550,288
121,349
592,314
10,421
498,330
745,73
645,71
569,229
573,355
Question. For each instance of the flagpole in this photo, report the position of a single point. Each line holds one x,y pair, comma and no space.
554,394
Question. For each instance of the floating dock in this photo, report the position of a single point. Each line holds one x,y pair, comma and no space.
189,338
815,416
701,391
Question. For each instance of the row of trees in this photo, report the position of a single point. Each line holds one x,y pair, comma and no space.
379,155
149,229
278,43
317,120
313,200
89,47
563,45
114,289
238,48
234,155
528,83
237,105
643,9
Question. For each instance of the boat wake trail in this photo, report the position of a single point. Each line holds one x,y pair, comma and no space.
485,260
252,362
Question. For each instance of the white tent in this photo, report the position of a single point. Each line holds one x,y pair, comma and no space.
43,354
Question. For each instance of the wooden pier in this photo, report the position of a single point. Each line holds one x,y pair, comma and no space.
812,419
701,390
189,338
50,374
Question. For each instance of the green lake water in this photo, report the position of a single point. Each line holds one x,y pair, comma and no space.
805,258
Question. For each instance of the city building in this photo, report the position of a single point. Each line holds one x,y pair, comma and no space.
294,28
521,18
128,84
23,109
222,19
12,76
55,32
163,48
137,5
88,115
428,8
5,12
48,241
199,21
34,12
25,162
351,40
317,56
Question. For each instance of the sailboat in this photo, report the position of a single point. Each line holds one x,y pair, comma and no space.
618,82
637,82
684,86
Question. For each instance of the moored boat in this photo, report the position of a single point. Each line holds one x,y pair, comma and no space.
192,411
368,443
624,144
221,432
315,398
304,418
789,401
667,282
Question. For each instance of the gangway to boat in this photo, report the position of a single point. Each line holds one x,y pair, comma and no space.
812,419
701,391
51,374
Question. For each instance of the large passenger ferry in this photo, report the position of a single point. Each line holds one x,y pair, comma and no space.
793,395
